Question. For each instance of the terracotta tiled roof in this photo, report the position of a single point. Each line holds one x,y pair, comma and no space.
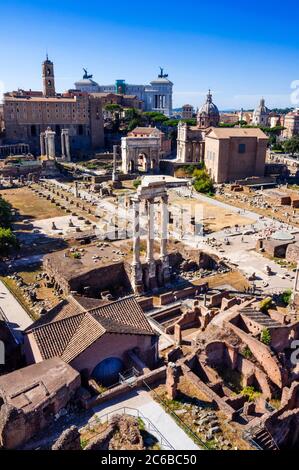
88,332
227,132
146,130
53,338
66,308
126,313
69,336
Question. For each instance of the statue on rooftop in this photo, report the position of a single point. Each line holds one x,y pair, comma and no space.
162,75
86,76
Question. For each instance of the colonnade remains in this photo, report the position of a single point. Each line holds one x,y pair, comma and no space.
153,273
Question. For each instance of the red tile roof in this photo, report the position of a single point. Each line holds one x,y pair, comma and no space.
68,335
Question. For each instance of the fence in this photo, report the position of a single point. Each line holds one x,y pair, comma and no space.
150,427
176,418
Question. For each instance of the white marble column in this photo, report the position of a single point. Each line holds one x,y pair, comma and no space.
150,231
114,163
164,226
67,145
62,144
42,143
50,138
136,231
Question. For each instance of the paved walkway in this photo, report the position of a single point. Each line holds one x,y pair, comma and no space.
13,311
142,401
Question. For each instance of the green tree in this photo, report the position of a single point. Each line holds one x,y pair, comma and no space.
113,107
202,182
8,240
292,145
132,124
5,213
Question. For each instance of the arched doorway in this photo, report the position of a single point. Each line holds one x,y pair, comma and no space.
107,371
143,163
131,166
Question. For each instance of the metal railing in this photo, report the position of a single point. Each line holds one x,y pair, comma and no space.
150,427
176,418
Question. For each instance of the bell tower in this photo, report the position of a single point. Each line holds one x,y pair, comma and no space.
48,78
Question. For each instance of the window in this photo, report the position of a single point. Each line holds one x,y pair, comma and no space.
242,148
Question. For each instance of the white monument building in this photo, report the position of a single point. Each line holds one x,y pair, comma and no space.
157,96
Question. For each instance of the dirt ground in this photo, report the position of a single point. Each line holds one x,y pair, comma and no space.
30,205
284,212
214,218
232,278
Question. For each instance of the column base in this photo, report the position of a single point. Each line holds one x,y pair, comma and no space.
136,278
165,268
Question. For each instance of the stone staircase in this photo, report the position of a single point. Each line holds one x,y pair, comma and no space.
263,439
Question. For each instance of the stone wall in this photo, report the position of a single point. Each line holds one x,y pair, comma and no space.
156,375
263,354
292,253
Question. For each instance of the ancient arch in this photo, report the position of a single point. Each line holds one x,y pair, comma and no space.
133,147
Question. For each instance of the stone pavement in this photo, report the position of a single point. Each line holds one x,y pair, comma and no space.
16,315
142,401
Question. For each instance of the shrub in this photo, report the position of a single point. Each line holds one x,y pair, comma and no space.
286,296
247,352
266,336
136,183
265,304
250,393
5,213
8,240
202,182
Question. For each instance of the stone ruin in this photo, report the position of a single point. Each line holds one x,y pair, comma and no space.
152,274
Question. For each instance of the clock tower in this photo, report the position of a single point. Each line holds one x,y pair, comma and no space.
48,78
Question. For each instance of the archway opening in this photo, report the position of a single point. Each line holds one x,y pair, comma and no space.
143,165
107,371
131,166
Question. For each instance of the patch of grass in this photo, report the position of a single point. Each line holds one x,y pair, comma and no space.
265,304
250,393
247,353
141,424
83,443
211,444
18,294
266,336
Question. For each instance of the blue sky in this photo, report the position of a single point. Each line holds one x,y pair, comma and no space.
241,50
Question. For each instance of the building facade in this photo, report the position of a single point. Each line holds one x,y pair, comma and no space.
191,139
157,96
291,124
235,153
187,111
29,113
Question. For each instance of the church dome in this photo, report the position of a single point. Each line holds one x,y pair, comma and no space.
261,114
208,114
